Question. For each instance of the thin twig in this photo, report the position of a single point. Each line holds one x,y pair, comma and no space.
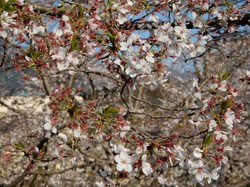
13,109
163,108
160,117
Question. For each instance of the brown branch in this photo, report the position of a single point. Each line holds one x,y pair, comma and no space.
199,56
148,25
46,85
72,80
57,172
187,137
13,109
159,117
163,108
4,53
121,94
20,178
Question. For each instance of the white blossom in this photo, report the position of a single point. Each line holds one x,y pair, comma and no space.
72,58
62,138
146,167
153,18
121,19
181,31
213,175
38,29
197,153
229,118
48,127
212,124
150,57
124,162
144,67
199,171
142,147
220,136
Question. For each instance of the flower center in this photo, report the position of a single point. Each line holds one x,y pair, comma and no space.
124,161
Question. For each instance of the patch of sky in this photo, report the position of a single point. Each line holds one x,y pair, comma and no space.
144,34
57,3
52,25
23,45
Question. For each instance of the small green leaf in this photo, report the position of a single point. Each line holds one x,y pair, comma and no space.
111,36
10,2
207,140
31,53
226,104
8,5
74,42
90,131
109,111
223,75
80,12
62,9
2,3
19,146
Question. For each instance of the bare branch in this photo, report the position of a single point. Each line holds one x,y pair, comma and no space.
159,117
46,85
163,108
13,109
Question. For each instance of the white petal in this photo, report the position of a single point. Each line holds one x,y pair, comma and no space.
47,126
77,133
128,167
124,156
120,167
212,124
199,176
197,153
144,157
117,158
214,175
147,169
63,137
228,148
54,130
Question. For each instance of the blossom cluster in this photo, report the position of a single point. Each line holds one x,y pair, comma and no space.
131,43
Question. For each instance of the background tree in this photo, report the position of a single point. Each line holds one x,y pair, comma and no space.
158,81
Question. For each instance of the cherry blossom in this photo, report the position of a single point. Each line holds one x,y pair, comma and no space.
146,167
211,125
111,50
125,46
221,86
72,58
153,18
197,153
124,162
58,53
213,175
199,171
62,138
220,137
142,147
150,57
181,31
229,119
38,29
48,127
119,148
143,67
182,155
